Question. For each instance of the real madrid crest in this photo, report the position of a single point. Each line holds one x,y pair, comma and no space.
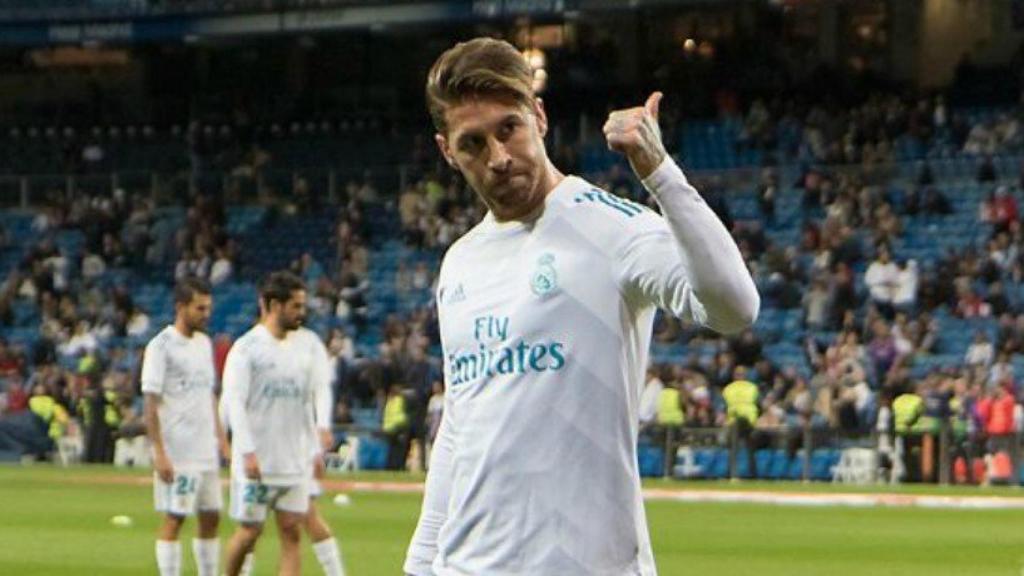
544,279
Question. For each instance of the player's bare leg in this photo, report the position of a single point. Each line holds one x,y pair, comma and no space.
171,527
324,545
316,527
289,530
242,543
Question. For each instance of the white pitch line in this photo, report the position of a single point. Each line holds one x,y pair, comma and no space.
754,497
848,500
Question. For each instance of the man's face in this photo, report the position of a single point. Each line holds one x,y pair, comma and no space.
498,146
292,313
197,312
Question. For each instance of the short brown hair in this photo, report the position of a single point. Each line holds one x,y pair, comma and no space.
280,286
187,288
479,67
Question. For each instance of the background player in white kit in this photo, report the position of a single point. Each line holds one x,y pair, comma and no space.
546,310
178,380
271,382
325,546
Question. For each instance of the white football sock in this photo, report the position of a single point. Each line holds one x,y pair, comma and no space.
168,557
329,556
247,565
207,554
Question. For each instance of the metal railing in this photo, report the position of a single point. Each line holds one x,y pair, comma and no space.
938,456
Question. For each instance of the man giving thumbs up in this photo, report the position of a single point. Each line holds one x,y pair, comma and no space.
546,309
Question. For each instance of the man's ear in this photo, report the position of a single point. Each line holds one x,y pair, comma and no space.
442,145
542,117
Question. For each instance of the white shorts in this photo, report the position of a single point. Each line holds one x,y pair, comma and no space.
315,489
190,492
250,499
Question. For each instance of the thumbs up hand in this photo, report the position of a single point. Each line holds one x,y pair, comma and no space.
635,133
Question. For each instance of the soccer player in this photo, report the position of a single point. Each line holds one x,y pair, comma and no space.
181,418
546,311
272,386
325,546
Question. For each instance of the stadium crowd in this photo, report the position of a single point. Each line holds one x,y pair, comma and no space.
867,317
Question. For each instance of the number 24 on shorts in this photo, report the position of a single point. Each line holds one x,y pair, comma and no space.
185,485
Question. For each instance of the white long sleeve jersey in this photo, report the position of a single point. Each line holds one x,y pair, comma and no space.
180,370
545,331
272,389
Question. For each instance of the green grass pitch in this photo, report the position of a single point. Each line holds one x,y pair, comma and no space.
57,522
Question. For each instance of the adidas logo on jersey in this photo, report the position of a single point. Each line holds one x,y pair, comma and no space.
454,296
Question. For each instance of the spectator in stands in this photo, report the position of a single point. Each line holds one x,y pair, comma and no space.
904,297
96,408
83,341
112,252
138,323
882,278
1001,257
669,419
746,348
352,295
222,268
1004,209
816,305
722,370
367,192
52,413
411,207
907,409
742,398
395,427
700,409
17,398
421,277
93,267
999,417
770,424
1002,372
882,350
767,191
648,410
57,266
980,140
970,305
435,411
886,224
1007,335
997,301
987,208
187,266
980,352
